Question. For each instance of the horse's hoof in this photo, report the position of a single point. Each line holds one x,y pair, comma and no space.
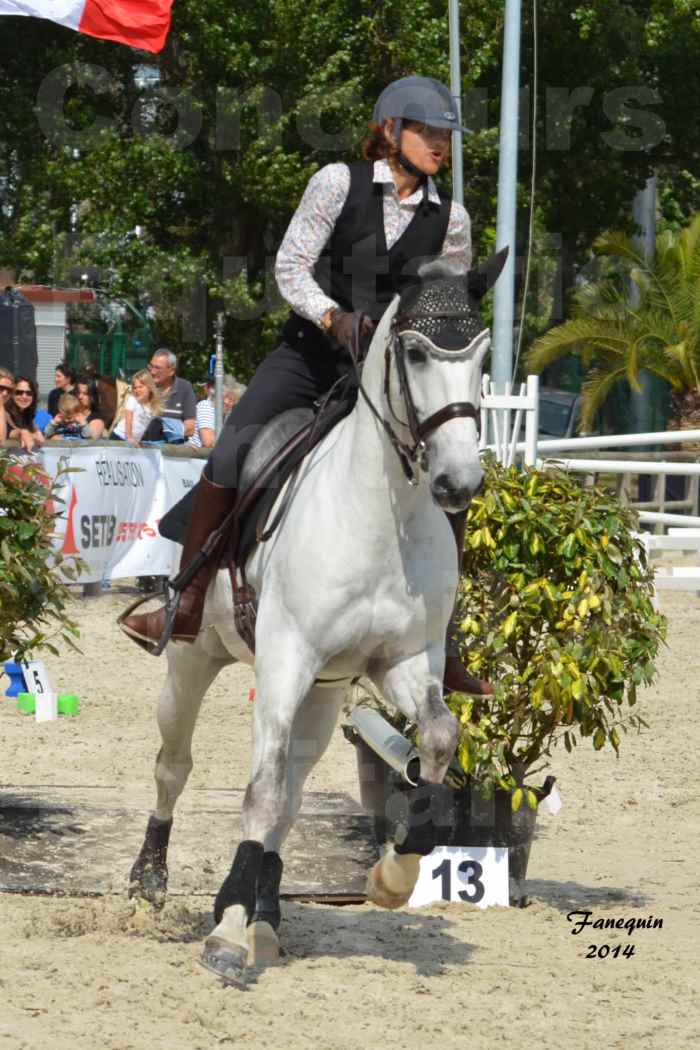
263,944
149,884
227,961
378,894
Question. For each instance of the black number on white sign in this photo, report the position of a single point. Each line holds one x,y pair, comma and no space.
469,868
444,872
473,870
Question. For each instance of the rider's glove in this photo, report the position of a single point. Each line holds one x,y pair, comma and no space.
341,328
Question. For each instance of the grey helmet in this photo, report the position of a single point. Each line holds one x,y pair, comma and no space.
418,98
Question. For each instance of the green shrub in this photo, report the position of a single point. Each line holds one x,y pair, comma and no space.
33,577
556,599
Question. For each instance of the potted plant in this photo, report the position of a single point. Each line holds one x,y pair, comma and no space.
34,595
557,612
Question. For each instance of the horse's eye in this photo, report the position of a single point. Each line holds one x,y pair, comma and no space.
416,356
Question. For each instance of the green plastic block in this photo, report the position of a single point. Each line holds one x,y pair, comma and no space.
68,704
26,703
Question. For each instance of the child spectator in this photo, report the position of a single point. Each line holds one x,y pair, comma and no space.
86,394
21,411
142,409
69,422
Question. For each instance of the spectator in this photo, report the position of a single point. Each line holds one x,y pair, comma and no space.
65,382
177,397
7,389
69,422
205,427
143,407
86,393
21,412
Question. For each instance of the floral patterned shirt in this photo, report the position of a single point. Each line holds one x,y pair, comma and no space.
314,220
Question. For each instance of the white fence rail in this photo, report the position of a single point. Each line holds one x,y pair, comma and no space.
502,418
660,437
674,577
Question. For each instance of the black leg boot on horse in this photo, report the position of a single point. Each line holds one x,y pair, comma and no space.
181,618
456,678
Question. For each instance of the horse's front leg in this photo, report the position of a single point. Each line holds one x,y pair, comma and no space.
414,686
285,670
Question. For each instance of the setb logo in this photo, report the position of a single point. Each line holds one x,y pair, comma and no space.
97,530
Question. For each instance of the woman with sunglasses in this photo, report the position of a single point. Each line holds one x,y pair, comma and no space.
21,411
7,386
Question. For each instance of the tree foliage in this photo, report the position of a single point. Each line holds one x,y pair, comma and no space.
177,175
636,316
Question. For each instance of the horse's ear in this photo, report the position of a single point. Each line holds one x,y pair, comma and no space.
485,276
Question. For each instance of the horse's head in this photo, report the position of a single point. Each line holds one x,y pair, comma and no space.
439,346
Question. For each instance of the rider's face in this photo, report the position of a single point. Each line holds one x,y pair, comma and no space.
426,147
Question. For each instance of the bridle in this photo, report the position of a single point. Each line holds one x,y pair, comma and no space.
411,456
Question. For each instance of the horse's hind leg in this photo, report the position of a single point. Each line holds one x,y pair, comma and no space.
191,670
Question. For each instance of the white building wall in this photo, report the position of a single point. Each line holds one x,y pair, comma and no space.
50,321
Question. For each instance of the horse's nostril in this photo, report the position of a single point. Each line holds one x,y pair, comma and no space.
442,486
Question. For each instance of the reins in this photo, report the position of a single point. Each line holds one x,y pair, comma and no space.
415,454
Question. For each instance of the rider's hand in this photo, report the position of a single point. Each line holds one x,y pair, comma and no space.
342,326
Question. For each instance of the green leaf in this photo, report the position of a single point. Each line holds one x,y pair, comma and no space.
509,624
516,799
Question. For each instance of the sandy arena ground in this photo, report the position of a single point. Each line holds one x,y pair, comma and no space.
102,973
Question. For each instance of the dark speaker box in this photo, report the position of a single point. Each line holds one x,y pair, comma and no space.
17,334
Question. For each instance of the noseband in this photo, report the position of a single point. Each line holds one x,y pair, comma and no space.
413,455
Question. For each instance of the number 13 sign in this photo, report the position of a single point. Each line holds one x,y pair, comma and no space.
472,874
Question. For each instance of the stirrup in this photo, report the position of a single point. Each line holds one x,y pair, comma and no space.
172,603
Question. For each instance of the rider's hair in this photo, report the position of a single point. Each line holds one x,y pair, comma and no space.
376,146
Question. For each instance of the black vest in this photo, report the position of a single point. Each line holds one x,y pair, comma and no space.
356,269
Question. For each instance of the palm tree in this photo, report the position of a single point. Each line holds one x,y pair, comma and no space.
649,319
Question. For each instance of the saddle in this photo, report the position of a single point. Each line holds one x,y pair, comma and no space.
274,457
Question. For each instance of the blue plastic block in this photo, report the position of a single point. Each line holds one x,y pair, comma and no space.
16,675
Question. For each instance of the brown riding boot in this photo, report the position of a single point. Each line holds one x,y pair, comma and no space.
456,678
210,506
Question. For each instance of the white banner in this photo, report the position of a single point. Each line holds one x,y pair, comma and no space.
113,500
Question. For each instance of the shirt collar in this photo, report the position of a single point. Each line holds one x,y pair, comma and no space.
384,174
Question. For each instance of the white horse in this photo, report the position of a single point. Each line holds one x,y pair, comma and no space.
359,579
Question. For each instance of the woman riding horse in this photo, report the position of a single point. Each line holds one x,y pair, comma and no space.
357,239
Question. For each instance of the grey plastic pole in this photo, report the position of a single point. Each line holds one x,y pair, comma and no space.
219,375
456,89
644,408
504,292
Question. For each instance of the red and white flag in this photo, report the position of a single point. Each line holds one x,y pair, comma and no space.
143,24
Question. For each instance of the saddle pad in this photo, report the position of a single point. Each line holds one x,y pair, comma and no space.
262,454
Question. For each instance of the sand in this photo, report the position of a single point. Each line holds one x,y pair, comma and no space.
89,973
